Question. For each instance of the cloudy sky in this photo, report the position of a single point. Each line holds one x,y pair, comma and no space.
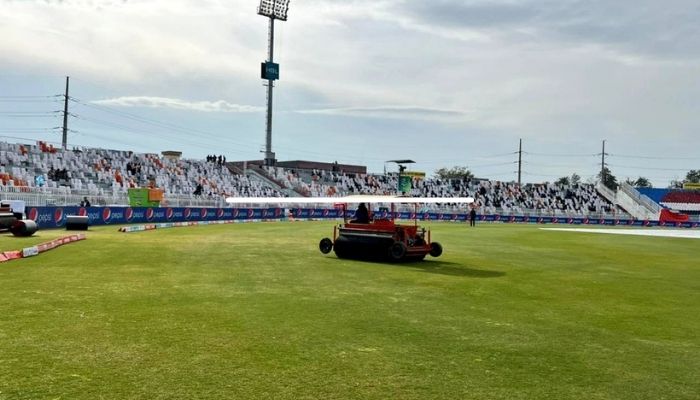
443,82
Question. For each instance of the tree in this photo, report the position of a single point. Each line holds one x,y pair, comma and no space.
693,176
608,178
642,182
563,181
675,184
575,179
454,173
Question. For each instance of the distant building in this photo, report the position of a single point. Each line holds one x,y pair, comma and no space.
303,164
172,155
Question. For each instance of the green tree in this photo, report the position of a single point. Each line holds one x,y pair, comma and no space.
608,178
454,173
675,184
575,179
642,182
564,180
693,176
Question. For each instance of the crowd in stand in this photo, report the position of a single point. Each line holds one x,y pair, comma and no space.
220,160
104,172
490,196
108,172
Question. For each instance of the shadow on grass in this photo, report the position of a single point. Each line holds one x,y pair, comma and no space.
439,267
453,269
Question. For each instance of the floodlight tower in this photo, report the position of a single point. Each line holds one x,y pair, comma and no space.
272,9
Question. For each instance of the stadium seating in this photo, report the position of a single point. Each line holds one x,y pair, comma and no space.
98,172
102,172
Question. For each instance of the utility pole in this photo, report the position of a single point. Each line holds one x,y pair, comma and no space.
602,164
64,142
520,161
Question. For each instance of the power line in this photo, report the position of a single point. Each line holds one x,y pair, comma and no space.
160,124
649,168
654,157
560,155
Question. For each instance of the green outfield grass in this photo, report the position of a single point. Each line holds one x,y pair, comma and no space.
255,311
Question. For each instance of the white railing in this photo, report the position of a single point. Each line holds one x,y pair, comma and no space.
650,204
62,197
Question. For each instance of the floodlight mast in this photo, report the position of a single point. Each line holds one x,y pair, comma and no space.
272,9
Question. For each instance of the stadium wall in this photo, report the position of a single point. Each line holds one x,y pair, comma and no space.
55,217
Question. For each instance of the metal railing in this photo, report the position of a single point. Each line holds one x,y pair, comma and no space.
644,200
66,197
62,197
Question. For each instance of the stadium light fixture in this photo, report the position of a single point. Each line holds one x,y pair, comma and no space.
269,70
276,9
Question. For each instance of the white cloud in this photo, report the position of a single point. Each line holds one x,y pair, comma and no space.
178,104
393,112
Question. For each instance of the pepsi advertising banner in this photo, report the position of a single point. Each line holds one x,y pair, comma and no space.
55,217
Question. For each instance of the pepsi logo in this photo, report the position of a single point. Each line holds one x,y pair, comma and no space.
149,214
264,213
203,213
413,215
129,214
298,212
187,213
311,213
646,222
235,213
497,218
251,212
106,214
512,219
58,216
278,212
585,221
169,213
602,222
570,220
325,212
33,214
555,220
426,216
219,212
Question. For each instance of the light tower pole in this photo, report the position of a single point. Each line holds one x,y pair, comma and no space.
272,9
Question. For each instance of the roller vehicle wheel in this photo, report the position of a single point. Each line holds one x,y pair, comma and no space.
342,247
435,249
397,251
326,245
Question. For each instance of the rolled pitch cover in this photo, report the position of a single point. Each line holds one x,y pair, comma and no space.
24,227
77,222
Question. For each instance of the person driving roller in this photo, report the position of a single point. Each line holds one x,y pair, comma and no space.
361,215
